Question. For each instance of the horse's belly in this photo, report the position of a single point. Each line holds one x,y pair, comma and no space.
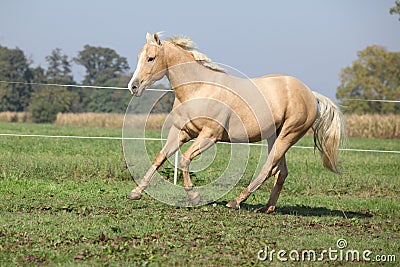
244,131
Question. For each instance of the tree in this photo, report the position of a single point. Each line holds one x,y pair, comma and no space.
374,75
14,67
395,9
59,71
59,67
165,103
104,100
101,64
104,67
47,101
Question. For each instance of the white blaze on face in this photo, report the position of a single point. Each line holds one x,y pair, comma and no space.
134,76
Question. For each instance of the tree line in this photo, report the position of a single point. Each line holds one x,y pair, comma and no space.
103,67
374,75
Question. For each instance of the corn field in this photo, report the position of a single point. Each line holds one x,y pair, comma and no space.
367,126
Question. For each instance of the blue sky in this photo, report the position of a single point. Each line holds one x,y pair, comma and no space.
309,39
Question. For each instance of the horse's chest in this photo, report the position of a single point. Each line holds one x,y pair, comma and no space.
193,127
194,115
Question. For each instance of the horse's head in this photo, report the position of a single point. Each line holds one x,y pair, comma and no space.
151,65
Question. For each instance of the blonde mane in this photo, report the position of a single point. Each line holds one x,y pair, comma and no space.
188,45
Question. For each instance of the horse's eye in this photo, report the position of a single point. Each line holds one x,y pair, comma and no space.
150,59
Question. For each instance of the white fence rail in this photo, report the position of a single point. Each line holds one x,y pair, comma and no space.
160,139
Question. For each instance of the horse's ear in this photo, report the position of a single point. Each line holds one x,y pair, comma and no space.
156,38
148,37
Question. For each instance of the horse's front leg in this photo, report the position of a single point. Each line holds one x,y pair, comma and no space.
176,139
204,141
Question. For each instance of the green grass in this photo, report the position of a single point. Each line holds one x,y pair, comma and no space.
63,202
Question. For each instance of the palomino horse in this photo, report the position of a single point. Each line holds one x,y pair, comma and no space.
223,107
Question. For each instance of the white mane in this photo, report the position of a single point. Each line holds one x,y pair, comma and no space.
188,45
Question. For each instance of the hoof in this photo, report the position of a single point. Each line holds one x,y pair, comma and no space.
134,196
271,209
195,198
233,204
262,209
265,209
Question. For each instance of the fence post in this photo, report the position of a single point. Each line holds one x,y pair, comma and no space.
176,167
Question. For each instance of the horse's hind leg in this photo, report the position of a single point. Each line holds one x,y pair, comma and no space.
280,177
270,168
286,138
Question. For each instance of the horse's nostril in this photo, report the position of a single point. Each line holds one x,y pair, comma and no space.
134,87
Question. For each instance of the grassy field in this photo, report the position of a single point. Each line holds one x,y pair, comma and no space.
63,202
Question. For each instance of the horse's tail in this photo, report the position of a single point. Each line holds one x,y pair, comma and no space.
329,129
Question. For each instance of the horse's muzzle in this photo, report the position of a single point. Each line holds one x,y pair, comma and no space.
133,90
133,87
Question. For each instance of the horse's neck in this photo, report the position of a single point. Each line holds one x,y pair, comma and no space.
184,73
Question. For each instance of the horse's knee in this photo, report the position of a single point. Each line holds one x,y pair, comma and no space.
184,163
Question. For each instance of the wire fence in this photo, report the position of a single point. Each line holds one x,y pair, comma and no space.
160,139
163,139
161,90
82,86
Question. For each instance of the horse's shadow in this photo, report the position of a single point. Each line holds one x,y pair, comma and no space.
301,210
